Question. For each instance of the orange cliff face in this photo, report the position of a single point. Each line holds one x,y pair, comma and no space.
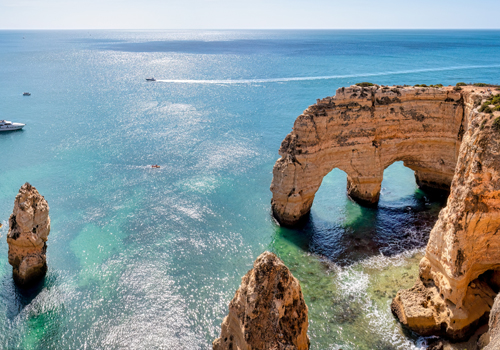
29,227
460,273
442,136
362,131
267,312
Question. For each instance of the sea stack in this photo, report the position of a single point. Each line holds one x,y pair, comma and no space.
267,312
460,273
29,227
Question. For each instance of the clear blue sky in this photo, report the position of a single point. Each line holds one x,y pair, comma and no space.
251,14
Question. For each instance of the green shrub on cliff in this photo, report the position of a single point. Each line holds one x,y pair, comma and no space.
496,123
457,88
461,84
421,85
494,100
364,84
485,108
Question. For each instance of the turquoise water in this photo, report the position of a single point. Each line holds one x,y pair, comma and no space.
149,258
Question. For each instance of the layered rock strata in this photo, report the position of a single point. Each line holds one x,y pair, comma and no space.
29,227
363,130
460,272
267,312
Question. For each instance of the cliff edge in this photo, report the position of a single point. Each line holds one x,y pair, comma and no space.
460,272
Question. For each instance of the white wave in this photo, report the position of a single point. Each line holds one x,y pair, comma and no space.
381,261
324,77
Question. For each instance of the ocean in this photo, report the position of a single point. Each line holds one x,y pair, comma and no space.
143,258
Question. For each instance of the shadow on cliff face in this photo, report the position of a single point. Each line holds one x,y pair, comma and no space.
18,298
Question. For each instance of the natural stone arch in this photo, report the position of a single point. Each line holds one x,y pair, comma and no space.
362,131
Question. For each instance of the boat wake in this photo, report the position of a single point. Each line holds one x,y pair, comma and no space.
324,77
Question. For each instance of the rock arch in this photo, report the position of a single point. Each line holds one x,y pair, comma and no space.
363,130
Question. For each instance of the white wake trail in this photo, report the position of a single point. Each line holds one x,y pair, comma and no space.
325,77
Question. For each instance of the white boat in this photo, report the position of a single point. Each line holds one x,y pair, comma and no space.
150,79
6,125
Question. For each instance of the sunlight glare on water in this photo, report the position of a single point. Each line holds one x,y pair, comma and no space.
145,258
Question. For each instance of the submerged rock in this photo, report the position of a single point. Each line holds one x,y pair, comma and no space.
460,272
267,312
29,227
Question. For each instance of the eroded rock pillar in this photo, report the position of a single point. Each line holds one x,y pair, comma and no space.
364,190
29,227
268,311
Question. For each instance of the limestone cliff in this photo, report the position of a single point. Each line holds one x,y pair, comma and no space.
29,227
363,130
267,312
460,271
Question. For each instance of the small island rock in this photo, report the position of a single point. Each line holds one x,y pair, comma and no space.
29,227
267,312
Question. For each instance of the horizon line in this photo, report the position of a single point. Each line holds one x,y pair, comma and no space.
2,29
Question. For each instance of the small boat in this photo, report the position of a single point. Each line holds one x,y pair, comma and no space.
6,125
150,79
26,94
155,166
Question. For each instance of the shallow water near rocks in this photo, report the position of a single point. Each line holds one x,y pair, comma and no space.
148,258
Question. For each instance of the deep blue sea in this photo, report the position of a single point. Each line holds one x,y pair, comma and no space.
143,258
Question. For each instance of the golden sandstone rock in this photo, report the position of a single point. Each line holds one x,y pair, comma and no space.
268,311
29,227
441,135
363,130
460,273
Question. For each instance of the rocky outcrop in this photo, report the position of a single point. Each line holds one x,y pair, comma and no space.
29,227
267,312
363,130
460,272
446,140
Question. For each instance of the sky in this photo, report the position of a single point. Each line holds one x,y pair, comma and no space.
249,14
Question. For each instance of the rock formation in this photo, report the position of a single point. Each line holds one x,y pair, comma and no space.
267,312
29,227
440,134
363,130
460,272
